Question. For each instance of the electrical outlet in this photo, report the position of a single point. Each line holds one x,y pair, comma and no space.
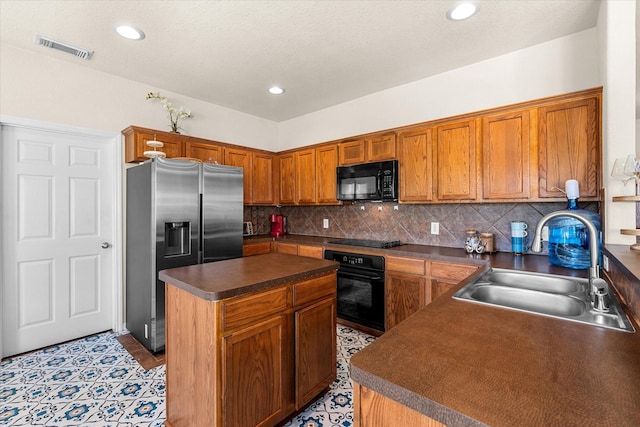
325,223
435,228
605,263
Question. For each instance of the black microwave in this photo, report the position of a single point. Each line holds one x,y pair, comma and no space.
368,181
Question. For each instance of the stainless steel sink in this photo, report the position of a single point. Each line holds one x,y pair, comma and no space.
560,297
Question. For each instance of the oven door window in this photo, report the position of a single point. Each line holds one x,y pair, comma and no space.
361,298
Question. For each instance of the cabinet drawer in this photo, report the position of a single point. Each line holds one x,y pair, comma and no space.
310,251
313,289
261,248
244,310
452,271
287,248
405,265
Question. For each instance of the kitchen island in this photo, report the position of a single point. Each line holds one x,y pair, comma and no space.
249,340
462,364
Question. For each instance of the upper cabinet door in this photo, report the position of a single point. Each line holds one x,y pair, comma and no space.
568,135
353,152
242,159
287,179
262,179
416,166
205,152
381,148
306,176
505,160
326,176
136,144
456,161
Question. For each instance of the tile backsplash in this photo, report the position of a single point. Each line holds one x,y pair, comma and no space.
409,223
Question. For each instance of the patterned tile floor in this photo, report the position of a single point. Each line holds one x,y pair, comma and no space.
95,382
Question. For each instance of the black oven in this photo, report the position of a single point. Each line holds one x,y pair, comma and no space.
360,288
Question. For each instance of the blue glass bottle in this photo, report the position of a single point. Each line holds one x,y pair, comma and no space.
569,238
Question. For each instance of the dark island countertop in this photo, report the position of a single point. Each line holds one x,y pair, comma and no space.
224,279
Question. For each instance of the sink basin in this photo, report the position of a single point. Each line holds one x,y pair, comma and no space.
537,282
528,300
550,295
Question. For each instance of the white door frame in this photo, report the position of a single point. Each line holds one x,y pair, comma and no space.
117,315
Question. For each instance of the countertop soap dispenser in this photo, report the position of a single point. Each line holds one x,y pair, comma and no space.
569,238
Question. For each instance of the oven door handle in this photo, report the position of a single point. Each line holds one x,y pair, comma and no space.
362,276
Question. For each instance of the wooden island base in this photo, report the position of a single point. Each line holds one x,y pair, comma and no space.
254,358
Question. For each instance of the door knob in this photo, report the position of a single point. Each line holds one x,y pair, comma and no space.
105,245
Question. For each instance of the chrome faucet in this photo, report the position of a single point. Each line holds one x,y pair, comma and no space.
598,288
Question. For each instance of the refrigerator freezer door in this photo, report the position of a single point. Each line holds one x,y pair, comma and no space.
162,232
222,206
177,220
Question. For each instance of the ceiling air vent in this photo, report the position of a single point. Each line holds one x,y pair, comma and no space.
62,46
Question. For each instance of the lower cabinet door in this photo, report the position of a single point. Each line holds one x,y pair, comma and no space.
257,371
315,335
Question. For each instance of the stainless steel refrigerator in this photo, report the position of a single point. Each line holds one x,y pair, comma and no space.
178,213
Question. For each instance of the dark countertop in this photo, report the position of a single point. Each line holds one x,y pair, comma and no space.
527,262
223,279
469,364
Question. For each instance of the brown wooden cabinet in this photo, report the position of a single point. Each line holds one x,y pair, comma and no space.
405,288
135,140
456,174
287,167
257,368
274,348
505,156
311,251
206,152
445,275
412,283
352,152
286,248
241,159
568,135
371,409
326,163
305,177
376,148
315,358
381,147
262,179
416,166
257,248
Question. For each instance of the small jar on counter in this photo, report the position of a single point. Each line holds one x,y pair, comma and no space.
486,240
472,241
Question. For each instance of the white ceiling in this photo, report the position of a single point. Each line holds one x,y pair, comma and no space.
322,52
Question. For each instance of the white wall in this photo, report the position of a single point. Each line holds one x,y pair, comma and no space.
617,53
38,87
560,66
42,88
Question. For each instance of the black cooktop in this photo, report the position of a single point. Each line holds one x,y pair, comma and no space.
368,243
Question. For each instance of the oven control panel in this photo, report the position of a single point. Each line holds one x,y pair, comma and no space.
373,262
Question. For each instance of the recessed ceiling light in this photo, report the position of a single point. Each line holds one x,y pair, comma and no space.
462,11
275,90
129,31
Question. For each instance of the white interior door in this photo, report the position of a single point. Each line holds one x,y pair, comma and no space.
57,234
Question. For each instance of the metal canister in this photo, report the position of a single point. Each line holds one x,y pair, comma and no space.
486,239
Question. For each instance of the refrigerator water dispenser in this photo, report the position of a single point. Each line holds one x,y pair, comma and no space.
177,238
